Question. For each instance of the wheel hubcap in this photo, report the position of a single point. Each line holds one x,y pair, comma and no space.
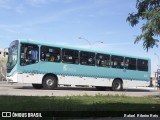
49,82
117,86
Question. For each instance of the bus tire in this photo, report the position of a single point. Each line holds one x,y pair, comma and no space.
37,86
101,88
117,85
49,82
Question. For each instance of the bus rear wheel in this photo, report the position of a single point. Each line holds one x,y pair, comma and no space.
117,85
49,82
37,86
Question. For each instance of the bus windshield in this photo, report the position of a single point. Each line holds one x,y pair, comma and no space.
12,55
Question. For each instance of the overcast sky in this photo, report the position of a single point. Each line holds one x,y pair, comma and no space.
64,21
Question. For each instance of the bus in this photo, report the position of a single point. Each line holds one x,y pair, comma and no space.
49,65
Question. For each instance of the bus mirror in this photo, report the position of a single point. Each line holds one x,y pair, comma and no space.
7,65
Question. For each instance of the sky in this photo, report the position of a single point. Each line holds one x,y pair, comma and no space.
65,21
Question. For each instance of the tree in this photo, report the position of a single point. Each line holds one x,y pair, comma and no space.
149,12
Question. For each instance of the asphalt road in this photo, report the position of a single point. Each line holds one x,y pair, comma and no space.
28,90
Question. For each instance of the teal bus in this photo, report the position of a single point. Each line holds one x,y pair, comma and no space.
49,65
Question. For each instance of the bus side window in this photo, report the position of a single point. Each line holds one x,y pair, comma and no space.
50,54
142,65
102,60
87,58
130,63
29,54
70,56
117,62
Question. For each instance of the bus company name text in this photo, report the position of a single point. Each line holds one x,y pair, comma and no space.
21,115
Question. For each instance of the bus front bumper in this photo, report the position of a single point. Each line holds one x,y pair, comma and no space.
13,78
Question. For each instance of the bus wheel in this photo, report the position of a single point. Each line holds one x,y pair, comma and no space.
49,82
101,88
117,85
37,86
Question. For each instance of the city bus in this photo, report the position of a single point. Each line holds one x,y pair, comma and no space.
49,65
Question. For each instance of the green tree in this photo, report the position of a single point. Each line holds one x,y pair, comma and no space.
149,12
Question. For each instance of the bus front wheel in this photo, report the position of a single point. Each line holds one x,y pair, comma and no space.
117,85
49,82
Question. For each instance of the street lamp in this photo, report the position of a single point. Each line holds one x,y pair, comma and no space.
89,42
158,60
100,42
85,40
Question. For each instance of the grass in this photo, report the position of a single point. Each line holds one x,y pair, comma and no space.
78,103
84,103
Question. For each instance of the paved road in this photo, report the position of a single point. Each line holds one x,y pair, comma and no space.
28,90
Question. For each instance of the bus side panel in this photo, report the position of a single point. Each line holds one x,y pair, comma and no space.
91,75
84,81
30,73
135,83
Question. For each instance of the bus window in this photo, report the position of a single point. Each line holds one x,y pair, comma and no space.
102,60
117,62
50,54
29,54
130,63
70,56
142,65
87,58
